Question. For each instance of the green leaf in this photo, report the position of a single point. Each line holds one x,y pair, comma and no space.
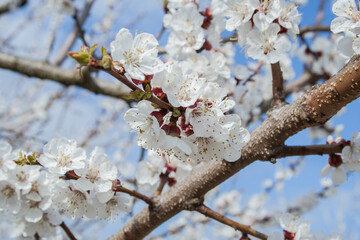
103,51
92,49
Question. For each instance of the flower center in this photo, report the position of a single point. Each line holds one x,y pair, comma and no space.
8,191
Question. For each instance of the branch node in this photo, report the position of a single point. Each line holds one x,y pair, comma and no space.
194,203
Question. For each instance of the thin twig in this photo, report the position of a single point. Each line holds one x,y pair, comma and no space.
80,30
314,29
69,42
288,151
134,194
221,218
125,81
163,180
277,84
320,13
160,33
67,231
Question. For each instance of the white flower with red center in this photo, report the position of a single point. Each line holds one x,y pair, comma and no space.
294,228
351,154
186,19
99,173
205,115
206,149
138,56
290,18
75,199
158,166
348,16
62,155
335,161
267,12
120,202
150,135
267,45
23,176
182,88
239,12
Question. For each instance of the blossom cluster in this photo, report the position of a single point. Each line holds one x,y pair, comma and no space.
158,167
322,56
262,26
196,126
347,22
36,190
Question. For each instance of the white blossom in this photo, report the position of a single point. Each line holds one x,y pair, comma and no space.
239,12
267,45
61,155
138,56
348,16
351,154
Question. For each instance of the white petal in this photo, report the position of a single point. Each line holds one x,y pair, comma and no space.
339,176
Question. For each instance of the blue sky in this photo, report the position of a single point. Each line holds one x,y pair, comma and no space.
146,15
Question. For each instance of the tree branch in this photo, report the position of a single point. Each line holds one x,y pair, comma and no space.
65,48
287,151
134,193
315,107
307,78
221,218
43,70
163,180
129,84
314,29
67,231
6,7
277,84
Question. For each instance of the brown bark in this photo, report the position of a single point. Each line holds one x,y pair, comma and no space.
43,70
315,107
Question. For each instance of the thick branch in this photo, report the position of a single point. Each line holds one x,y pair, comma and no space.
313,108
221,218
43,70
288,151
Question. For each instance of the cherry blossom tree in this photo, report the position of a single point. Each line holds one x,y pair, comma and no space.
220,87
